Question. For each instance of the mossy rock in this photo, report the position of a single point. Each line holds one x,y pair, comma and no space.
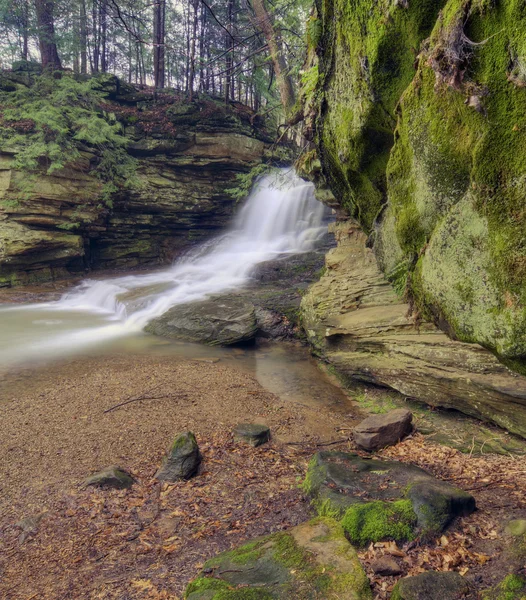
378,500
311,561
432,585
428,153
182,459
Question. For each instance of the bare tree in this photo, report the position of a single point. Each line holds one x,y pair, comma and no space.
159,33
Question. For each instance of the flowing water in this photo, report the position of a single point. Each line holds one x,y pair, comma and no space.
281,216
107,316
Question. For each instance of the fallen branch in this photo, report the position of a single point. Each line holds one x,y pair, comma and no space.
142,397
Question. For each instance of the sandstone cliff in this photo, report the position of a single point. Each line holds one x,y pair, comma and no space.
187,155
416,112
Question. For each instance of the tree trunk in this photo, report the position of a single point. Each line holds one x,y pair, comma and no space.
83,38
273,38
46,34
159,32
229,45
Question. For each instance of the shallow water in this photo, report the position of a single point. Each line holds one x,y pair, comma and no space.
106,316
280,217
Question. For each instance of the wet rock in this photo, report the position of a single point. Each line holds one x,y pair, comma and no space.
218,321
182,460
378,500
111,477
432,585
379,431
252,434
386,566
313,560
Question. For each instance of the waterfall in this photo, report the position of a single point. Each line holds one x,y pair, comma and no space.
281,216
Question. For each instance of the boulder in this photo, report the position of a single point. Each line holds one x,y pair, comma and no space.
378,500
313,560
432,585
182,459
218,321
379,431
252,434
111,477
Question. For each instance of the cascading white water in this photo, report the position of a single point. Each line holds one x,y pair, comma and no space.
281,216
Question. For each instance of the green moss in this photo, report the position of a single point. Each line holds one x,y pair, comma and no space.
367,56
224,591
512,587
378,520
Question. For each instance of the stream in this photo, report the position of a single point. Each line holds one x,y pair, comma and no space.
106,316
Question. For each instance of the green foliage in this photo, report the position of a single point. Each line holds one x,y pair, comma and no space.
512,587
50,122
376,521
245,181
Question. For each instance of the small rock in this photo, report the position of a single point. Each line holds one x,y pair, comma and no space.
182,460
111,477
379,431
432,585
29,526
386,566
516,528
252,434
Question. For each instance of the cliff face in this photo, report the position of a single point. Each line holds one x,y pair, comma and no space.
187,156
416,111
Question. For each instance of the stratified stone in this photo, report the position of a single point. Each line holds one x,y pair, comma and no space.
431,585
182,460
218,321
111,477
362,329
379,500
252,434
313,560
379,431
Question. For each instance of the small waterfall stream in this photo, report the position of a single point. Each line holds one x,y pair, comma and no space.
281,216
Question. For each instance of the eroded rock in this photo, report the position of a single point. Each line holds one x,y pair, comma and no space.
182,459
252,434
223,321
379,431
360,326
313,560
378,500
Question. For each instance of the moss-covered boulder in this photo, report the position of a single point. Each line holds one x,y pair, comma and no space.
432,585
220,321
379,500
313,560
182,459
419,128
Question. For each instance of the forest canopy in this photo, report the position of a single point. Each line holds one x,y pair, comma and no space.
250,51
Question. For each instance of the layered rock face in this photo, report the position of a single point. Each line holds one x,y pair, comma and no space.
416,112
188,154
357,322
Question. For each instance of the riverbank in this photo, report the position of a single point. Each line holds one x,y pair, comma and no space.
95,544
